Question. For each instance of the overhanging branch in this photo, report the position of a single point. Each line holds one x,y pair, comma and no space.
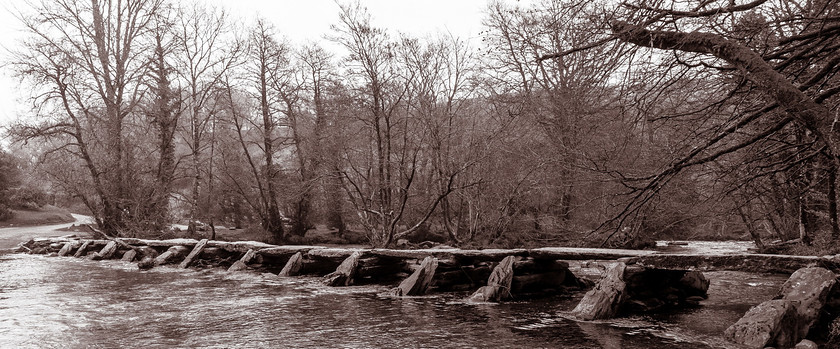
802,108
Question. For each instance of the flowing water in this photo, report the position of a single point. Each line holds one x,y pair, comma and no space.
56,302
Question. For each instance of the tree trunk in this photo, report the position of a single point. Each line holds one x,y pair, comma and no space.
112,223
832,199
165,121
273,222
751,228
333,196
302,214
803,224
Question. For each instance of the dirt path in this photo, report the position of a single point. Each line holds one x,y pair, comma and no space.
10,237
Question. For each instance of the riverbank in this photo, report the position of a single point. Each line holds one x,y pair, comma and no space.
10,237
47,215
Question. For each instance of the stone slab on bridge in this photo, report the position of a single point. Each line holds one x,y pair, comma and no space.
761,263
650,258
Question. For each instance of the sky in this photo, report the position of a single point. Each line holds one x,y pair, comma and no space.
300,21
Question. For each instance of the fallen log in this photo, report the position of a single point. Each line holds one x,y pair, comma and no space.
195,252
343,275
293,266
242,263
418,283
498,285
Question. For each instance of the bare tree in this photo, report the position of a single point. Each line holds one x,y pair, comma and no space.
88,64
440,94
311,137
257,127
387,162
773,59
207,49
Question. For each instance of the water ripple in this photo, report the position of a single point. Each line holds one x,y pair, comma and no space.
75,303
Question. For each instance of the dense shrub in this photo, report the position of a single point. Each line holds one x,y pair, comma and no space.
424,233
822,244
5,213
28,198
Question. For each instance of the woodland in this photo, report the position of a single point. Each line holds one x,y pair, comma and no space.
577,123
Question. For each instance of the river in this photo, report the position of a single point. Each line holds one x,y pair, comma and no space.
57,302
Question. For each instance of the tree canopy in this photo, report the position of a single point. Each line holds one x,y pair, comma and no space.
599,123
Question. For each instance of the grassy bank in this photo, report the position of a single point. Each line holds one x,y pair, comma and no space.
44,216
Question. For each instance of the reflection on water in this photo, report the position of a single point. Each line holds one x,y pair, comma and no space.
64,302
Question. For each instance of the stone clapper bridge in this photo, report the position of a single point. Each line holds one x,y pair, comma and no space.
632,281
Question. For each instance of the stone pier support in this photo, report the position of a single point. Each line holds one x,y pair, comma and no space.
293,265
82,250
605,300
195,252
107,252
636,288
498,285
343,275
419,282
